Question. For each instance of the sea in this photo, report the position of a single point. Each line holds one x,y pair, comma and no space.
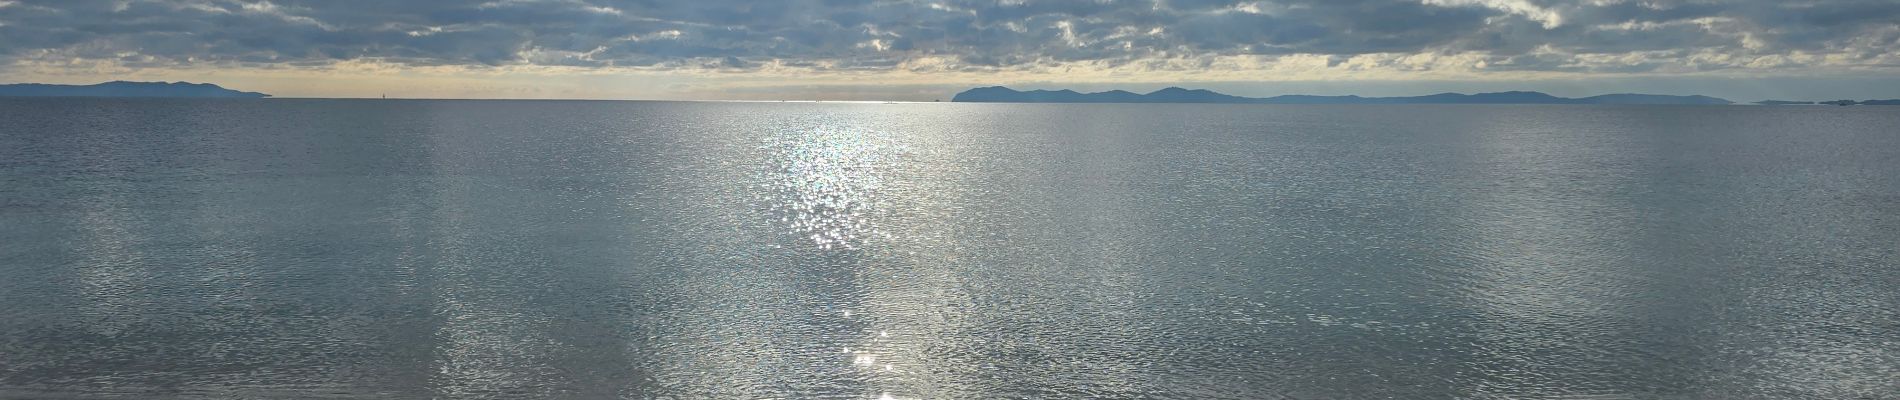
301,248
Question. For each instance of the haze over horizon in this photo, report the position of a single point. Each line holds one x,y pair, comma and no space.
928,50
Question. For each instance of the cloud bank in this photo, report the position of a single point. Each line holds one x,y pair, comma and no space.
1231,39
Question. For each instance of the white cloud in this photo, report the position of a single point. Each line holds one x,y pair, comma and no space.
1549,18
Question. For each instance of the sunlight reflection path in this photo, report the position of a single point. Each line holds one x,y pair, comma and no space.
827,180
824,187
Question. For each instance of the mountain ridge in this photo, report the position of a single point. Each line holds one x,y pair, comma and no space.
126,89
1001,94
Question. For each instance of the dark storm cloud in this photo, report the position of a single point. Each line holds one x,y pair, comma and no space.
845,34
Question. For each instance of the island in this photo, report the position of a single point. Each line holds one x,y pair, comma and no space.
1890,102
126,89
999,94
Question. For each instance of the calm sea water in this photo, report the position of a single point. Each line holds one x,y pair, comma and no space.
454,249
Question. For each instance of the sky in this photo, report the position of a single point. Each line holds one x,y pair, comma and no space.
930,49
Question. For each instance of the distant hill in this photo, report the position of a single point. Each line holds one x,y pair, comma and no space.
1652,99
999,94
125,89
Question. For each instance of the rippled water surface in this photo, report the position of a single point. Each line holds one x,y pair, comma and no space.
457,249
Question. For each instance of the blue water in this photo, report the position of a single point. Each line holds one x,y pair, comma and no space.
468,249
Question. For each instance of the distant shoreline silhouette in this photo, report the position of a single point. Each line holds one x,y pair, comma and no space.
127,89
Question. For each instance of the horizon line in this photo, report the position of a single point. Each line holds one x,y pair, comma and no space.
948,99
274,97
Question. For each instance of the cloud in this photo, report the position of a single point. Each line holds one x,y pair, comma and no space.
1474,36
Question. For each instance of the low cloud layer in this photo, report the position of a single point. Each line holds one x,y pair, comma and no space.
1390,36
